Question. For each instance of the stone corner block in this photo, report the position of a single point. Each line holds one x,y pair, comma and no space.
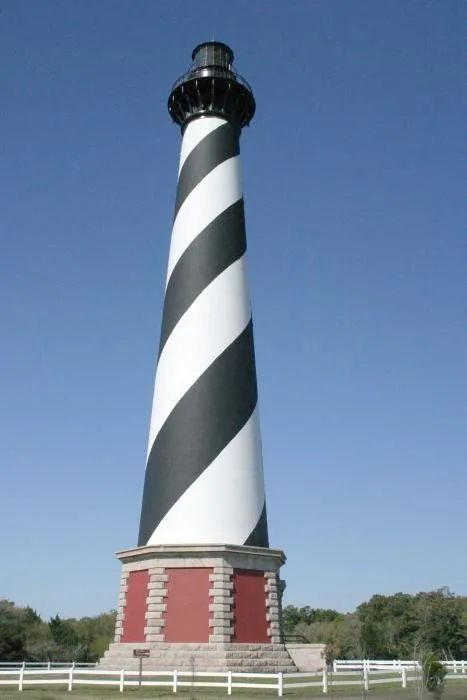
155,578
220,637
156,585
154,637
224,607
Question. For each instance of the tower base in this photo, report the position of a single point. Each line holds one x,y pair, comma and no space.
249,658
200,608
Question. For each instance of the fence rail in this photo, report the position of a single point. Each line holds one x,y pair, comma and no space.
344,665
72,675
45,664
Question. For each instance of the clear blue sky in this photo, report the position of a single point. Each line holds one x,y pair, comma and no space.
358,267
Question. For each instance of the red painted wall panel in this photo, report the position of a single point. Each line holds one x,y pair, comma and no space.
134,620
187,613
250,624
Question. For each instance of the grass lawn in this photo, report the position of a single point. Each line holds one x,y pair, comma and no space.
453,691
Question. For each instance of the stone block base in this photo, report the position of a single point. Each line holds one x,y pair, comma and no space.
200,607
250,658
200,593
308,658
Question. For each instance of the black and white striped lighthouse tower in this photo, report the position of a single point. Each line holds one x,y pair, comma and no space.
204,474
203,572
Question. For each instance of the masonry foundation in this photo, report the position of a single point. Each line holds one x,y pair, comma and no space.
200,607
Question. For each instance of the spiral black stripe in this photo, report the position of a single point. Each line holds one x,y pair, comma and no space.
201,425
205,422
218,246
259,535
219,145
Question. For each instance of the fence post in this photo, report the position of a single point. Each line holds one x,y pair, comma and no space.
229,682
463,666
49,666
325,680
280,684
21,678
122,680
175,679
404,677
365,677
334,666
70,678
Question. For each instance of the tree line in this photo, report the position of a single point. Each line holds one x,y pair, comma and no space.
396,626
399,626
25,636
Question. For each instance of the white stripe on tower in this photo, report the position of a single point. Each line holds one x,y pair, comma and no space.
204,476
198,130
213,321
232,472
217,191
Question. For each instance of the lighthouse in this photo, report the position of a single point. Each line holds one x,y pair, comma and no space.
202,586
204,475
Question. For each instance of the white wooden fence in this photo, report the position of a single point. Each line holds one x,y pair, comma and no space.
344,665
278,682
44,664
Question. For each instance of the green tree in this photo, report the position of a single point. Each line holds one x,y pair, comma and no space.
433,675
441,626
341,636
62,632
39,645
12,631
98,631
24,635
293,616
396,626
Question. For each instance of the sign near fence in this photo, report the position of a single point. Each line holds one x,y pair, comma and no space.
141,654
